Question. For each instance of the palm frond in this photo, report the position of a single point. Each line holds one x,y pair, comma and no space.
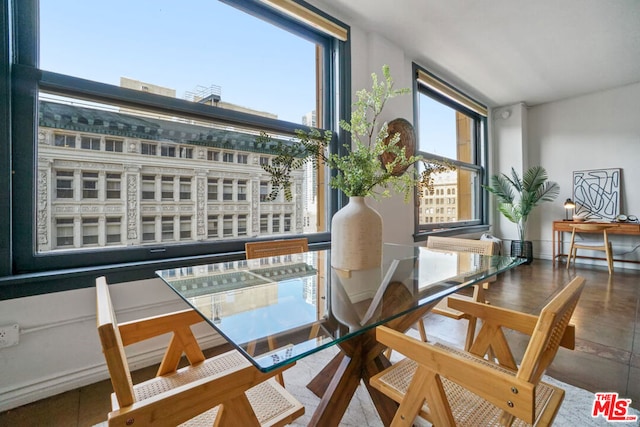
515,181
501,188
532,190
533,178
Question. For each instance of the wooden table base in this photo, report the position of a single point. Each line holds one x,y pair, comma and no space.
360,358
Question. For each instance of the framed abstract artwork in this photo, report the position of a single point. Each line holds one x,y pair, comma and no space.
596,193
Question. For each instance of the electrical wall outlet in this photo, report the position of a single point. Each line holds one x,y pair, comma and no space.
9,335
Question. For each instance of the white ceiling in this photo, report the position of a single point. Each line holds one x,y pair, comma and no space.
509,51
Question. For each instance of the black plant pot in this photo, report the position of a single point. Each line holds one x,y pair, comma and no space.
522,249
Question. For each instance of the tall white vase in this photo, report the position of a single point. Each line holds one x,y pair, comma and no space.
356,236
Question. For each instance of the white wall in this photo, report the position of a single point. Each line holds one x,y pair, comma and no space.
598,130
59,348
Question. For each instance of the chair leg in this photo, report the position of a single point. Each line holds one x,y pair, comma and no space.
609,253
471,333
423,332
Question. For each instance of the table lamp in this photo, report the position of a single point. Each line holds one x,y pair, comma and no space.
568,205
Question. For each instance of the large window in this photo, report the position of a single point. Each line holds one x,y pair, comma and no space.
451,128
132,144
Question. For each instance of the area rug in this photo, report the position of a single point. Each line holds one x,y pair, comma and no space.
575,410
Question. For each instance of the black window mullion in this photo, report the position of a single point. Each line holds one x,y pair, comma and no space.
27,81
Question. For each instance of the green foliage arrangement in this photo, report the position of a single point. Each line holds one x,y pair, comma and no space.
533,189
360,172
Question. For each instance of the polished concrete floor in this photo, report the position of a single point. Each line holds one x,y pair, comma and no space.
606,358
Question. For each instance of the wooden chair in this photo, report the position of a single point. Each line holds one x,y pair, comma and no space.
452,387
483,247
604,246
275,248
271,248
222,390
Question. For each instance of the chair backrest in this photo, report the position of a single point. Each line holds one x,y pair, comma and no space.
483,247
275,248
112,346
548,332
592,228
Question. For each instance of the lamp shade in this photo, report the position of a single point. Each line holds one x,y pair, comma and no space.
568,204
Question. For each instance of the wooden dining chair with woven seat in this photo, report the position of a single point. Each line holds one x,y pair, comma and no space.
271,248
482,247
221,390
452,387
603,245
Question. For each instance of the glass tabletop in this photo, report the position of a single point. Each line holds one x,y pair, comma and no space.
276,310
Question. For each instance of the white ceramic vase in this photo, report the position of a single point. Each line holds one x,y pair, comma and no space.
356,237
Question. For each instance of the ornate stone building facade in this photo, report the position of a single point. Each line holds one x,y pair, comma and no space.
110,178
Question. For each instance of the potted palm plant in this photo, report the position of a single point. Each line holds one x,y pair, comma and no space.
374,164
517,197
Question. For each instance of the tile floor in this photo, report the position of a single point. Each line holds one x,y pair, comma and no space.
606,358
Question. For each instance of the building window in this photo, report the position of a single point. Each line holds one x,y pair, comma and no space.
185,188
213,156
113,230
167,132
89,231
148,187
275,224
167,150
148,229
264,161
166,190
148,149
113,186
453,128
167,228
227,189
64,185
212,189
67,141
227,226
114,145
186,153
264,191
287,223
212,227
64,232
242,190
89,185
264,223
185,227
242,225
88,143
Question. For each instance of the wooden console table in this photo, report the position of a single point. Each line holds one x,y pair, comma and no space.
560,227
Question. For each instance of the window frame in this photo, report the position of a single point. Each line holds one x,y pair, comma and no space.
480,148
25,272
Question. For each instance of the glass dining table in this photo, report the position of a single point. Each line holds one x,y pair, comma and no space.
279,309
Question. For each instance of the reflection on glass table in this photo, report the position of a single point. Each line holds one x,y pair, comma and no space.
276,310
285,307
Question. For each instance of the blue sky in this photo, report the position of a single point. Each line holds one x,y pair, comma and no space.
180,45
184,44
